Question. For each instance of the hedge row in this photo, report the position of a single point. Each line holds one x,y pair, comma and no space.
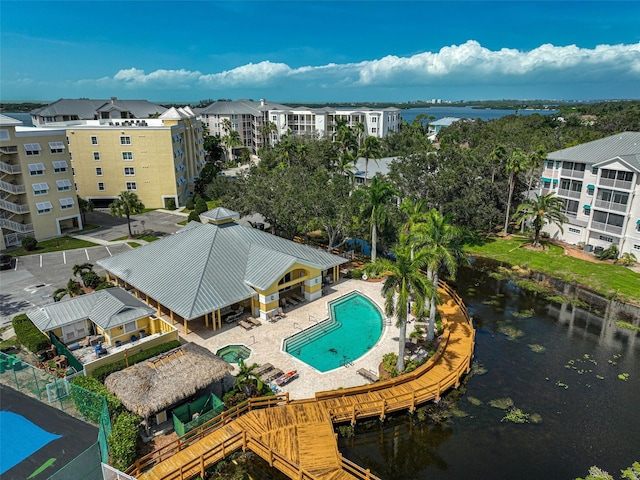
28,334
103,372
90,406
123,440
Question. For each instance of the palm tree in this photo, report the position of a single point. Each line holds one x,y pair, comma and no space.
266,131
247,377
72,289
404,281
378,194
441,243
516,163
543,209
232,140
85,206
127,204
344,166
80,270
371,148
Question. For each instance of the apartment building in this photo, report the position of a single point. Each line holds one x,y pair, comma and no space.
129,146
37,195
599,184
249,118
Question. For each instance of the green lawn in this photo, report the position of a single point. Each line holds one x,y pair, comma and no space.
54,245
604,278
146,238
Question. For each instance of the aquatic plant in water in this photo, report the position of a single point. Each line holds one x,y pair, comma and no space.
516,415
623,376
562,384
523,313
627,325
477,369
512,333
474,401
501,403
536,348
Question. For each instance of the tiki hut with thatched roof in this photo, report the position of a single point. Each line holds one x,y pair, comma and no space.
162,382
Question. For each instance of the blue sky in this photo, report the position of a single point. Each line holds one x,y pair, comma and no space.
314,51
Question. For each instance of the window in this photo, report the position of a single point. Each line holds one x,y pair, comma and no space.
636,247
571,206
127,156
76,186
125,140
40,188
68,140
374,130
44,207
32,149
71,156
575,166
574,230
605,238
638,226
63,185
73,171
608,219
60,167
101,186
66,203
374,119
4,135
132,186
129,171
36,169
546,184
99,171
590,189
94,140
96,156
274,118
56,147
594,170
130,327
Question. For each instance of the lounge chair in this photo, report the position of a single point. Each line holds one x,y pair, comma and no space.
271,375
290,301
281,312
235,315
298,298
254,321
262,369
368,374
286,378
245,325
271,317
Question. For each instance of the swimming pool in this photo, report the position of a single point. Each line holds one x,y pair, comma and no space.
353,328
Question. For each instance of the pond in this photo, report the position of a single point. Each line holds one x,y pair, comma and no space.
578,372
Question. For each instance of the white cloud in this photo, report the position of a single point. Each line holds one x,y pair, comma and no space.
467,64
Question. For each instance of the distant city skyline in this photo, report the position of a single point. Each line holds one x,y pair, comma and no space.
320,51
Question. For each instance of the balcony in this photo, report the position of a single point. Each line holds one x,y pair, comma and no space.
616,207
12,188
10,168
615,183
572,173
14,207
563,192
605,227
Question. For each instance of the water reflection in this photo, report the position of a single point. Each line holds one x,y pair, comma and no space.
564,362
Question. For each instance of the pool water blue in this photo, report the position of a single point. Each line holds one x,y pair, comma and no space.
353,328
19,438
233,353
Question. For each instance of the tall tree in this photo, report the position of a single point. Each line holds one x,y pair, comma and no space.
266,131
378,195
516,163
85,206
371,148
404,281
543,209
127,204
441,243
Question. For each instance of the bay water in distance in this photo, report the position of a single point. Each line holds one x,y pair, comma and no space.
409,114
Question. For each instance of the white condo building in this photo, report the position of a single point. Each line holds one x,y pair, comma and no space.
599,183
248,118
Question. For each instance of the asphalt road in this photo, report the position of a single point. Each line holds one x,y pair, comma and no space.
35,277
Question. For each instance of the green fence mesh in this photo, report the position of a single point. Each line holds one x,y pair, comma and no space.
63,350
86,466
193,414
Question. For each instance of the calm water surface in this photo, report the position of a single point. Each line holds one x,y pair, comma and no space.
409,114
594,421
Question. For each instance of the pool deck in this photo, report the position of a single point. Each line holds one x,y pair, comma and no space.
266,341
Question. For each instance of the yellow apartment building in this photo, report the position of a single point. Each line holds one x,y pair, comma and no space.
37,195
157,158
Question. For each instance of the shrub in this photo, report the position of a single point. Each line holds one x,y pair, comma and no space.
201,206
610,253
89,405
91,279
29,244
189,204
103,372
170,204
193,217
28,334
356,273
123,440
389,361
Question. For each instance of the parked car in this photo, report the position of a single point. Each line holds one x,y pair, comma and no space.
6,262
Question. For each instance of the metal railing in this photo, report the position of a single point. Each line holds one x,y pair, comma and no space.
615,183
10,168
12,188
605,227
14,207
15,226
564,192
618,207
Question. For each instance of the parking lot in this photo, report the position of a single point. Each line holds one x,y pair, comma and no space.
34,278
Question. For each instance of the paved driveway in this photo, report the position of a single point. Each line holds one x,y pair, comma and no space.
35,277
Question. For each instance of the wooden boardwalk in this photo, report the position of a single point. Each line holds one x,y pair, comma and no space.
297,437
